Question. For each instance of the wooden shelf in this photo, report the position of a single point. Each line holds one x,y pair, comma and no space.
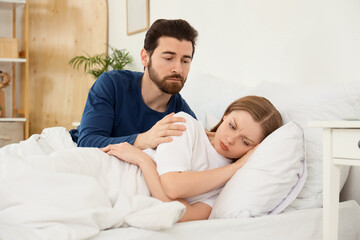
20,60
12,119
13,1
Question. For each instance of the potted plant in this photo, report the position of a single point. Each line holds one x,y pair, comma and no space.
97,64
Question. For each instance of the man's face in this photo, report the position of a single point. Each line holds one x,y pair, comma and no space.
169,64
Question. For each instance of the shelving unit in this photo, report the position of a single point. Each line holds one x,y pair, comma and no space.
19,60
20,82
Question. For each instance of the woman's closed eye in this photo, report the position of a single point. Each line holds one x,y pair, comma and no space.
232,126
245,142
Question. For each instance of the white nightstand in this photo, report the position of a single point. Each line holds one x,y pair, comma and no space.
341,146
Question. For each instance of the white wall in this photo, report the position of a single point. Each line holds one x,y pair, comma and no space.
299,41
244,42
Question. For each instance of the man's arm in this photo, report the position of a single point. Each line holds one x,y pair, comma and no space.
99,118
161,132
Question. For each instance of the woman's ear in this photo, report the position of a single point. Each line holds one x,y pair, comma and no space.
144,57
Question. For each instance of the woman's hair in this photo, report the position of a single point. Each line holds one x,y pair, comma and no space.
178,28
261,110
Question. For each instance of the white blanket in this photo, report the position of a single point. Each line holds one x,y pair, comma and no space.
50,189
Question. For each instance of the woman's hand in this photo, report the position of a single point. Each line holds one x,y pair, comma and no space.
125,152
241,161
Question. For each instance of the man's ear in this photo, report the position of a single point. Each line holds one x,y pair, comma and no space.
144,57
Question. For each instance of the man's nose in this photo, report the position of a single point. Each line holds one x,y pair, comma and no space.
177,67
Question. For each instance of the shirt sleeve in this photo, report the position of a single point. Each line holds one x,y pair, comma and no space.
210,201
99,116
176,156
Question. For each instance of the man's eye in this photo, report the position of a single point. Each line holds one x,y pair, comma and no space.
167,59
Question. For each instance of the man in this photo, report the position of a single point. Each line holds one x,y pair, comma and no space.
134,107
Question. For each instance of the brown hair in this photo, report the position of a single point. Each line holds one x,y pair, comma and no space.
178,28
261,110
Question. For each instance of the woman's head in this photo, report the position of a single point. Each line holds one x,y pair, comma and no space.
245,123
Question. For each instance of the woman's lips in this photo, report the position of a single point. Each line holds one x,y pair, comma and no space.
222,145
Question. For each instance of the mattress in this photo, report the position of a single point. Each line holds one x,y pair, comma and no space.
295,225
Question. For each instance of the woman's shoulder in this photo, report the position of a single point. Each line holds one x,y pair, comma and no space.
189,119
192,125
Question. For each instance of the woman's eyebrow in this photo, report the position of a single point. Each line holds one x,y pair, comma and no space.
235,124
252,142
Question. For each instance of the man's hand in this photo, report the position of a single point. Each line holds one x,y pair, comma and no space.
160,132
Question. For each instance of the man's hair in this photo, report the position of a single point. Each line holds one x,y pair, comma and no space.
177,28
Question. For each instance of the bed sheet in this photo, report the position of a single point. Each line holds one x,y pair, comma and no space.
296,225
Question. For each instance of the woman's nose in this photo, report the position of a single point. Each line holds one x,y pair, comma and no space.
230,140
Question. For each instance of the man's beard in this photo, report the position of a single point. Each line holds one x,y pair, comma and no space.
163,85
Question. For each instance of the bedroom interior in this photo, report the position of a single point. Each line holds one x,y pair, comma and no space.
304,56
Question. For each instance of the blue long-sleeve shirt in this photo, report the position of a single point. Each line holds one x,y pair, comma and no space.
115,111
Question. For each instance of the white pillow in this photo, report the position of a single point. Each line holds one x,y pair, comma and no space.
210,121
216,98
331,101
270,180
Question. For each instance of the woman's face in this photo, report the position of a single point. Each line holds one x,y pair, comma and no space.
237,134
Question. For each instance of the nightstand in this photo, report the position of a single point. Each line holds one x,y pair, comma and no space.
341,146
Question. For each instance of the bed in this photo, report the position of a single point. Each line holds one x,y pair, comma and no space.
52,202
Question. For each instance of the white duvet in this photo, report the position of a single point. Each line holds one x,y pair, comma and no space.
50,189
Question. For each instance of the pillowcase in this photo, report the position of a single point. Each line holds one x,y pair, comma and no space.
271,179
220,92
210,121
319,102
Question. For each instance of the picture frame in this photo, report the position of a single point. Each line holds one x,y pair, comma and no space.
137,16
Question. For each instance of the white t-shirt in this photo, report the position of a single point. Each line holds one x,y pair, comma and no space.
192,151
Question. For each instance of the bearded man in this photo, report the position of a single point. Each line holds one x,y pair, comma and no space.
136,107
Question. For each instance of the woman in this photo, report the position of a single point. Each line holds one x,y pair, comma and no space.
194,166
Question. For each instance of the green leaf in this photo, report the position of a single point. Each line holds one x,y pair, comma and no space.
100,63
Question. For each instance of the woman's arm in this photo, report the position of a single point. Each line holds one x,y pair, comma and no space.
189,183
128,153
133,155
196,211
